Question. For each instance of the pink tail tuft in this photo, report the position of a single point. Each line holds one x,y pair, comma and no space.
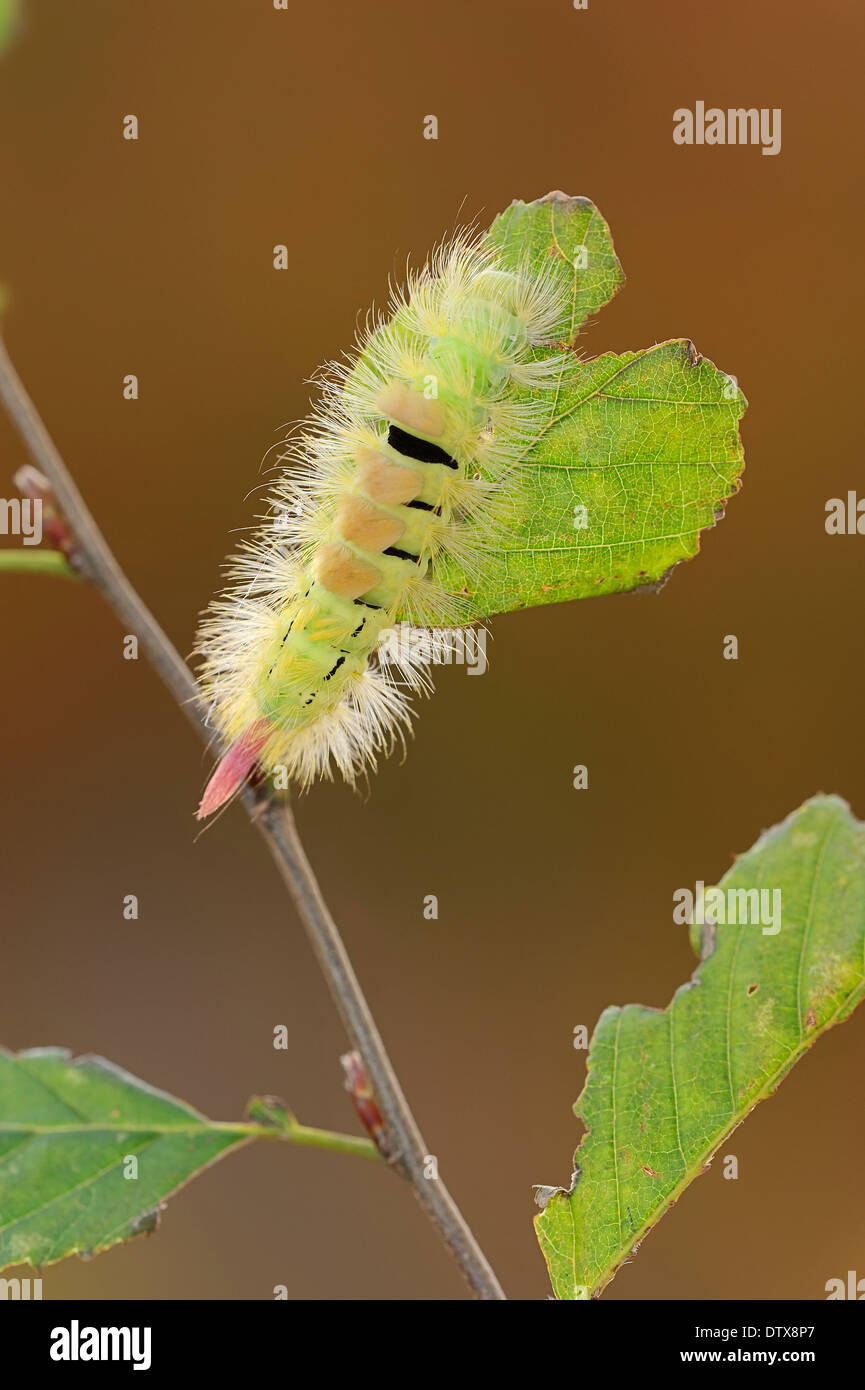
233,769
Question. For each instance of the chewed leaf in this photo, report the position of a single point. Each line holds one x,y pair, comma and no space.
88,1154
638,457
570,235
666,1087
638,454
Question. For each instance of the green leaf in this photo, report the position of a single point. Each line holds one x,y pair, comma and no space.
67,1131
563,232
638,455
666,1087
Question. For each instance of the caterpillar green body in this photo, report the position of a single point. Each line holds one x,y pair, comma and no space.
410,456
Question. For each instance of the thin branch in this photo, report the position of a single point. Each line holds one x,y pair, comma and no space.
275,822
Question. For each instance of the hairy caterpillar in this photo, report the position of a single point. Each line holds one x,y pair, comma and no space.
409,457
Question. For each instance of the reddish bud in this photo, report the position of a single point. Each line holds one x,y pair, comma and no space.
358,1085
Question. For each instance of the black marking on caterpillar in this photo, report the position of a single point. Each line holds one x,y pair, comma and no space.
412,447
333,670
401,554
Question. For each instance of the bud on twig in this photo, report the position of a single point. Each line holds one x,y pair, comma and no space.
358,1086
55,531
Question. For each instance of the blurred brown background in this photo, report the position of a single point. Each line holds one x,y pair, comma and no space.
258,127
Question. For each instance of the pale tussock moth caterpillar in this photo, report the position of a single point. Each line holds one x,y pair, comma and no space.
409,457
